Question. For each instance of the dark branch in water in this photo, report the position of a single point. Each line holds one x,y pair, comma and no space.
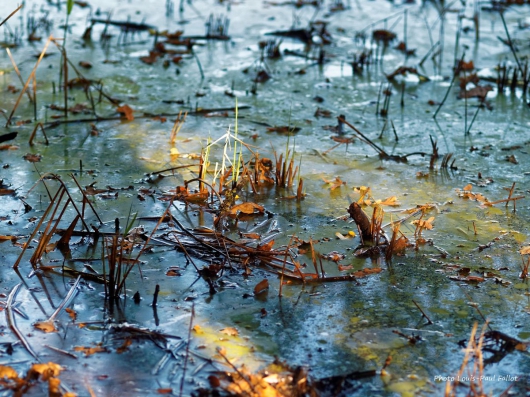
127,25
382,154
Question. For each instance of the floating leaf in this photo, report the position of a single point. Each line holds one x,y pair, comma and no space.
366,272
230,331
525,250
266,247
261,286
90,350
126,111
45,326
424,224
48,369
247,208
33,158
7,372
72,313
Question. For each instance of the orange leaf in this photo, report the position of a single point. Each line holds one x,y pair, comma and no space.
126,111
71,313
261,286
123,348
366,272
266,247
247,208
230,331
467,188
90,350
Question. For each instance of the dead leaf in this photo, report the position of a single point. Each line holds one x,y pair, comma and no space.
230,331
334,184
247,208
123,348
266,247
334,256
126,111
6,192
72,313
468,279
45,326
88,351
366,272
261,286
385,36
173,272
167,390
85,64
9,147
7,372
33,158
525,250
46,370
390,201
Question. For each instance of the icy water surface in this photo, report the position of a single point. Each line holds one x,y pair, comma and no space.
465,269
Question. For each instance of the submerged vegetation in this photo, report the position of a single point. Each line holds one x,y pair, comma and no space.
220,198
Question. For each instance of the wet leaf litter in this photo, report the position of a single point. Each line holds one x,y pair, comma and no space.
244,226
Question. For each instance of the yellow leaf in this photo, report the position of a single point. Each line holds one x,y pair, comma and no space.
48,369
7,372
89,350
198,330
45,326
392,201
525,250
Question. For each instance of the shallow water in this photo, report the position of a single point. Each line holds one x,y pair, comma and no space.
333,328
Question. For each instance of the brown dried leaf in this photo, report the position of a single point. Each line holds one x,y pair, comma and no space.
33,158
247,208
367,271
88,351
267,246
126,111
261,286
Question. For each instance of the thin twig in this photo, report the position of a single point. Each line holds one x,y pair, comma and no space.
11,320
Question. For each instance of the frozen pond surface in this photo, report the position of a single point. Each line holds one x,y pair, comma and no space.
126,90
